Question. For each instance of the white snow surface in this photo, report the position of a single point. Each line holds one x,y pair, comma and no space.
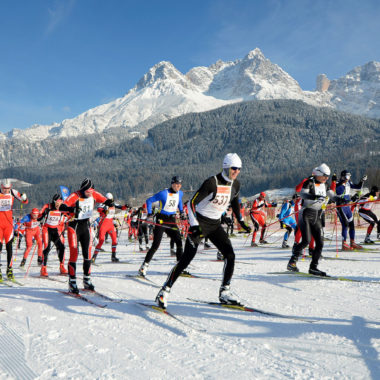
45,334
164,93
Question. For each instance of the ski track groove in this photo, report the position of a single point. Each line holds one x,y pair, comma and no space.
12,354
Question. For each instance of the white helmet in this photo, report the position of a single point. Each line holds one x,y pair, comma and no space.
231,160
322,170
109,196
6,184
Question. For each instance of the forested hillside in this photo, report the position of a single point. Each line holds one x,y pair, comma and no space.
279,141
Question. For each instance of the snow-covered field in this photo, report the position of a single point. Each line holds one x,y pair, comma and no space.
45,334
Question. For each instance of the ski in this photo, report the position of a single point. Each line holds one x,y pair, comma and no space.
169,314
143,279
236,262
333,258
334,278
48,278
14,281
241,307
189,275
2,282
101,295
83,298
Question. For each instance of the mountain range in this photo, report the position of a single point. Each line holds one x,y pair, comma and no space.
164,93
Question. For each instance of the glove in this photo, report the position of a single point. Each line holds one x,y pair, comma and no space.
321,199
334,178
283,225
109,202
24,197
274,204
78,209
355,197
365,177
195,232
245,226
127,206
347,198
183,216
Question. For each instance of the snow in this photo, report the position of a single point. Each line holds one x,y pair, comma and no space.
45,334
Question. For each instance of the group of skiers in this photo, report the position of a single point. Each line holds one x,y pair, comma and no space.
214,202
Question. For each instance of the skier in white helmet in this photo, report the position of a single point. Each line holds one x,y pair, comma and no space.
205,210
315,194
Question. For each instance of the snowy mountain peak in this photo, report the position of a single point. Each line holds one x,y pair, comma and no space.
164,93
163,70
254,54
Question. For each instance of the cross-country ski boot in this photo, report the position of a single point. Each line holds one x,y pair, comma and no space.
143,269
227,297
114,259
39,260
316,272
1,275
87,284
94,257
162,297
22,264
219,256
43,272
62,269
355,245
10,275
345,246
368,240
292,264
285,244
73,287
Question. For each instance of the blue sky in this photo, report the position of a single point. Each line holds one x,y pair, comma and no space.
61,58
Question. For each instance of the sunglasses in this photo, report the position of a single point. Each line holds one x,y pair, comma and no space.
235,168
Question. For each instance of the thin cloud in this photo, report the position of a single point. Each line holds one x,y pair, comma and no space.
58,13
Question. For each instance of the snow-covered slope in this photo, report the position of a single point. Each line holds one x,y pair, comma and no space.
45,334
164,93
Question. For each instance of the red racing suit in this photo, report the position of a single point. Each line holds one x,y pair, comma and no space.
79,230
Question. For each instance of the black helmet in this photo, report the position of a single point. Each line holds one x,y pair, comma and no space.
56,197
345,173
86,184
176,179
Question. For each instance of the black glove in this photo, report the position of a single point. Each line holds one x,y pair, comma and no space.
109,202
274,204
321,198
127,205
334,178
245,226
355,197
183,216
195,232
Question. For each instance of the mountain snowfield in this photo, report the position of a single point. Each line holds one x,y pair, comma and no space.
164,93
45,334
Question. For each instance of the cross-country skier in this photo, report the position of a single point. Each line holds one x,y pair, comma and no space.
170,201
7,197
142,215
315,194
205,210
368,215
343,197
79,231
286,220
106,225
32,232
259,217
52,231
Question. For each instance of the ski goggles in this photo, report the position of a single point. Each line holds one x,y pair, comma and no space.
235,168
